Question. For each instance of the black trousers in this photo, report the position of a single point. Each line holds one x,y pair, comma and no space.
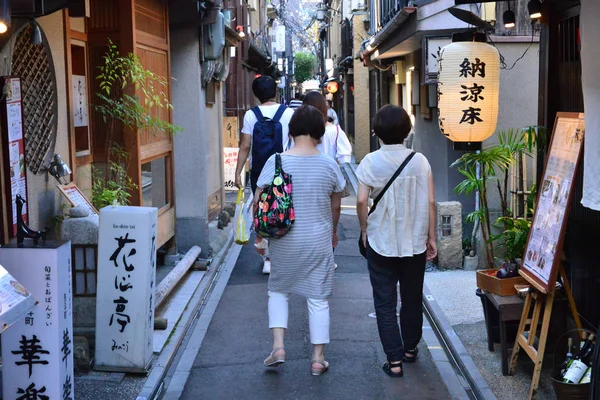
385,273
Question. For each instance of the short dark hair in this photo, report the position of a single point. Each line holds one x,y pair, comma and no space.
330,103
316,100
264,88
392,124
307,121
297,96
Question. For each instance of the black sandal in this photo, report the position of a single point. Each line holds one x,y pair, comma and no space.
387,368
414,353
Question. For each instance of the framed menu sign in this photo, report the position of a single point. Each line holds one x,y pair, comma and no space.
541,260
76,198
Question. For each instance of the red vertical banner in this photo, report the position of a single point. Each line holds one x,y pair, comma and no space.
13,137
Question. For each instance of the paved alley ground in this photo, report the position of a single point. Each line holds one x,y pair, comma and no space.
229,364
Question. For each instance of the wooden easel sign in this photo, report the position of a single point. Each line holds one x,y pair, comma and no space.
542,258
76,198
540,262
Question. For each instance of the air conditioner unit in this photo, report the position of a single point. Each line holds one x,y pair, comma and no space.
214,38
357,5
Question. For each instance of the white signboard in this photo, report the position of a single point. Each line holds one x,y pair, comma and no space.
230,159
432,46
37,350
126,287
280,38
80,102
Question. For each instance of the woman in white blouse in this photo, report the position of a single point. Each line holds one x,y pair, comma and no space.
334,143
400,235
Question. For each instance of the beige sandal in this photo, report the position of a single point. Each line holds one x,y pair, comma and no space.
273,360
319,371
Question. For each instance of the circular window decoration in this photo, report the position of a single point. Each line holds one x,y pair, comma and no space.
33,64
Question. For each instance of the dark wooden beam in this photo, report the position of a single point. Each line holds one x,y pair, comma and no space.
79,8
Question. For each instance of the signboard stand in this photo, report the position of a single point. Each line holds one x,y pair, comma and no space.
541,262
126,289
37,350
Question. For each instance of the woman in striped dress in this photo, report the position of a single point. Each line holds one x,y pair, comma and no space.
302,260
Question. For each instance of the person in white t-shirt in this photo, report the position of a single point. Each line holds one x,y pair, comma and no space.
331,113
265,89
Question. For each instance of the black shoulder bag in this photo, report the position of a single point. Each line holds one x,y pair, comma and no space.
361,246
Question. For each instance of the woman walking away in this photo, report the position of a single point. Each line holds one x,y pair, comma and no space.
303,258
399,234
334,143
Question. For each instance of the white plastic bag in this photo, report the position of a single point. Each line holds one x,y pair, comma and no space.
242,228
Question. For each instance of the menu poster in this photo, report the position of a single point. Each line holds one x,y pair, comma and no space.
76,198
15,301
12,120
230,158
540,261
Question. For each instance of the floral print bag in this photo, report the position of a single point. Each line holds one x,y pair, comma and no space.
275,213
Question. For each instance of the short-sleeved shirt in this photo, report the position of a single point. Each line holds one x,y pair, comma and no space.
269,112
302,260
400,224
335,144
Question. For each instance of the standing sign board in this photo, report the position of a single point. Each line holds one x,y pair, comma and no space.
76,198
230,159
14,145
126,287
541,261
37,350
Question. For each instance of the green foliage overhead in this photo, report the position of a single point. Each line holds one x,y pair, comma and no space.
305,64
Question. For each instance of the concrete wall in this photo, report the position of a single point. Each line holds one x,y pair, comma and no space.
198,153
362,135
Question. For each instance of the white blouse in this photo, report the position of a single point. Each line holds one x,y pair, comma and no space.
335,144
400,223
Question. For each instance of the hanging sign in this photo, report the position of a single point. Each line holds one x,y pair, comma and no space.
541,260
37,350
468,90
126,287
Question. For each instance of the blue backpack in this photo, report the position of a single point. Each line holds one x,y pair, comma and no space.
266,139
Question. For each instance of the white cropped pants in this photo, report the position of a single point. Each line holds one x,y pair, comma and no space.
318,316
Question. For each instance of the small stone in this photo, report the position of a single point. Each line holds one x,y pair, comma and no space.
81,353
79,212
224,218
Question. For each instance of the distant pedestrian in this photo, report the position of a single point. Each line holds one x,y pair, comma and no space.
266,132
333,118
296,102
303,258
334,143
399,235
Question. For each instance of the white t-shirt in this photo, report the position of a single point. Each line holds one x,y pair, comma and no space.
333,115
336,145
269,112
400,224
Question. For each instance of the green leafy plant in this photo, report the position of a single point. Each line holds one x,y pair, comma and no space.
305,64
131,99
119,184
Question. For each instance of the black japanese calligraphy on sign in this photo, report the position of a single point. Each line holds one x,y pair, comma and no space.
67,389
471,115
66,349
472,93
468,68
30,351
123,287
121,242
31,393
29,318
122,318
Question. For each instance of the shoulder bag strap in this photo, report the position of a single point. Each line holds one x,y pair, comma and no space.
278,166
392,179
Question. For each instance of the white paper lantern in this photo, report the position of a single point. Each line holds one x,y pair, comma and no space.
468,88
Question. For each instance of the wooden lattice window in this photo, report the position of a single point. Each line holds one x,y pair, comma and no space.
34,65
85,271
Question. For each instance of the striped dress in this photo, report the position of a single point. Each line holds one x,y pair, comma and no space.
302,260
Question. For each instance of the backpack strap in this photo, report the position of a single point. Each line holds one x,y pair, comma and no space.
258,113
279,113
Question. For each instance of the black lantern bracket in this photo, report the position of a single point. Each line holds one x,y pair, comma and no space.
23,231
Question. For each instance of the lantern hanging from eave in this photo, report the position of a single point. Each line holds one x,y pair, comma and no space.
468,92
332,87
